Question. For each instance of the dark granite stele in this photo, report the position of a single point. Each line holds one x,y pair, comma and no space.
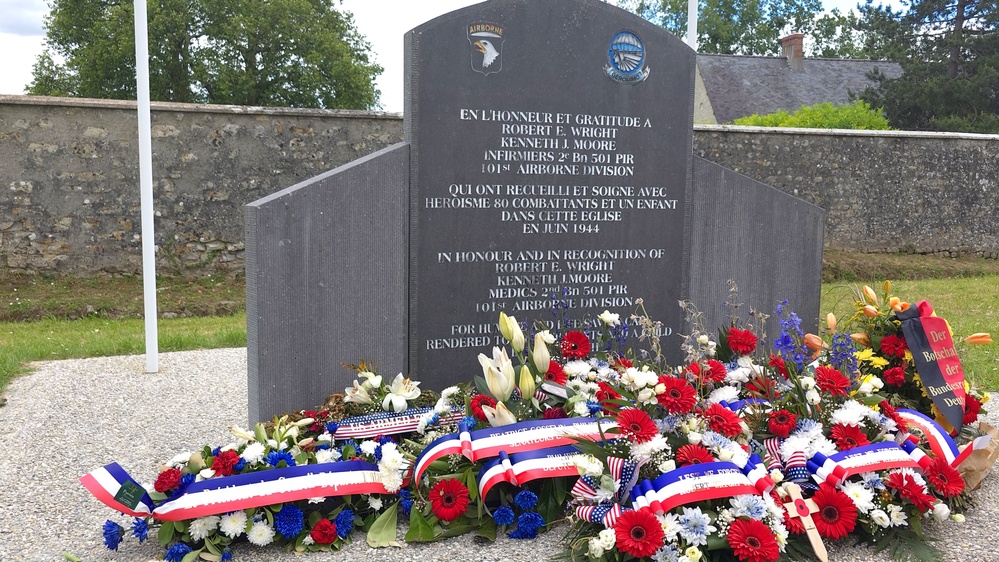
547,150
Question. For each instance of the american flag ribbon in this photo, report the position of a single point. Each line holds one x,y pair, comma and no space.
796,467
773,457
605,515
390,423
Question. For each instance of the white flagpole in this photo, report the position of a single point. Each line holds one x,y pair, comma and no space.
146,186
692,24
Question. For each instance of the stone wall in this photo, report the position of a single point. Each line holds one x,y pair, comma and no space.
70,190
70,196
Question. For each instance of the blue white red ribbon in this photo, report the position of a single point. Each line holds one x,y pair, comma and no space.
513,438
866,458
253,489
520,468
390,423
940,442
105,483
691,484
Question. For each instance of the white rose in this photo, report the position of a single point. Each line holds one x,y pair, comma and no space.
693,437
607,538
646,395
777,476
667,466
941,512
880,517
812,397
807,383
596,549
866,389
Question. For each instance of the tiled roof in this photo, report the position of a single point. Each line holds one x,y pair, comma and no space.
743,85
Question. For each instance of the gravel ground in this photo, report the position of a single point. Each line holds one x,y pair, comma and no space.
69,417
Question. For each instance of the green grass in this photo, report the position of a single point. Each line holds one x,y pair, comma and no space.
50,339
969,304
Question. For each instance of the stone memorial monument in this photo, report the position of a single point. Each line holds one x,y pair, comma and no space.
547,152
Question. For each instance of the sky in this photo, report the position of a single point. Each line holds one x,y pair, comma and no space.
382,22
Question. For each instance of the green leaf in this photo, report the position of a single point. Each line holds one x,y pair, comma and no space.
383,530
459,527
192,556
420,530
71,557
211,557
314,518
165,536
487,529
260,433
551,500
471,484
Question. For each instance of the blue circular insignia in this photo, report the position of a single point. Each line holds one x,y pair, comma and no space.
626,53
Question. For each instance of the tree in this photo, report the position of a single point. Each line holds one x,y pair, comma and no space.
951,68
733,27
297,53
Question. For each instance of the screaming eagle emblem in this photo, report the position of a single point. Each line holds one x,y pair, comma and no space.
626,57
486,41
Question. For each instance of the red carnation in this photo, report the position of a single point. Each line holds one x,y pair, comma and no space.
679,397
837,515
831,380
909,489
753,541
777,362
792,524
575,345
742,342
448,499
555,374
722,420
324,532
848,437
638,533
781,423
895,376
693,454
972,407
554,413
944,478
893,346
225,463
636,425
167,480
476,404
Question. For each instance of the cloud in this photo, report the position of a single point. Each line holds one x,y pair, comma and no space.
23,17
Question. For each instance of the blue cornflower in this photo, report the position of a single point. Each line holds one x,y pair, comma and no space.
594,407
378,454
226,554
216,451
469,422
712,439
140,529
528,525
669,424
289,521
806,425
331,427
238,467
385,439
345,521
503,515
177,552
113,533
275,457
405,501
525,500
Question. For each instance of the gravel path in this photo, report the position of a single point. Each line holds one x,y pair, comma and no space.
69,417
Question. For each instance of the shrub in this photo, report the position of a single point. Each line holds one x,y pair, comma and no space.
856,115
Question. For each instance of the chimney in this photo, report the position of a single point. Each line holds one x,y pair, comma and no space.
792,47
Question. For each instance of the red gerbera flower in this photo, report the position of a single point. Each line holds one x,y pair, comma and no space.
555,374
575,345
621,363
225,463
777,362
717,371
792,524
895,376
909,489
837,514
476,404
753,541
944,478
638,533
831,380
693,454
636,425
554,413
324,532
848,437
742,342
781,423
167,480
889,411
604,395
722,420
972,407
893,346
679,397
448,499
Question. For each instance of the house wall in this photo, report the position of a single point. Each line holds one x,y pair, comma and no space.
69,201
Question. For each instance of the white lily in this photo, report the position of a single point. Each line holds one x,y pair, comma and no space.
510,329
371,380
527,384
357,394
400,391
540,355
499,415
499,374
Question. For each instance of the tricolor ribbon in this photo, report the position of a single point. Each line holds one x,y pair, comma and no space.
691,484
513,438
520,468
976,445
107,482
254,489
940,442
390,423
866,458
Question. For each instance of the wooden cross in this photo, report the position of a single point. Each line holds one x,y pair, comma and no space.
802,508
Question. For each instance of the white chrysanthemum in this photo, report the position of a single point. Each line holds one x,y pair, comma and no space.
851,413
644,451
915,476
203,527
233,524
862,496
260,534
325,437
375,502
898,517
793,444
392,459
670,524
581,409
577,368
426,418
740,375
327,455
368,447
781,534
880,518
179,460
822,445
727,393
392,482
